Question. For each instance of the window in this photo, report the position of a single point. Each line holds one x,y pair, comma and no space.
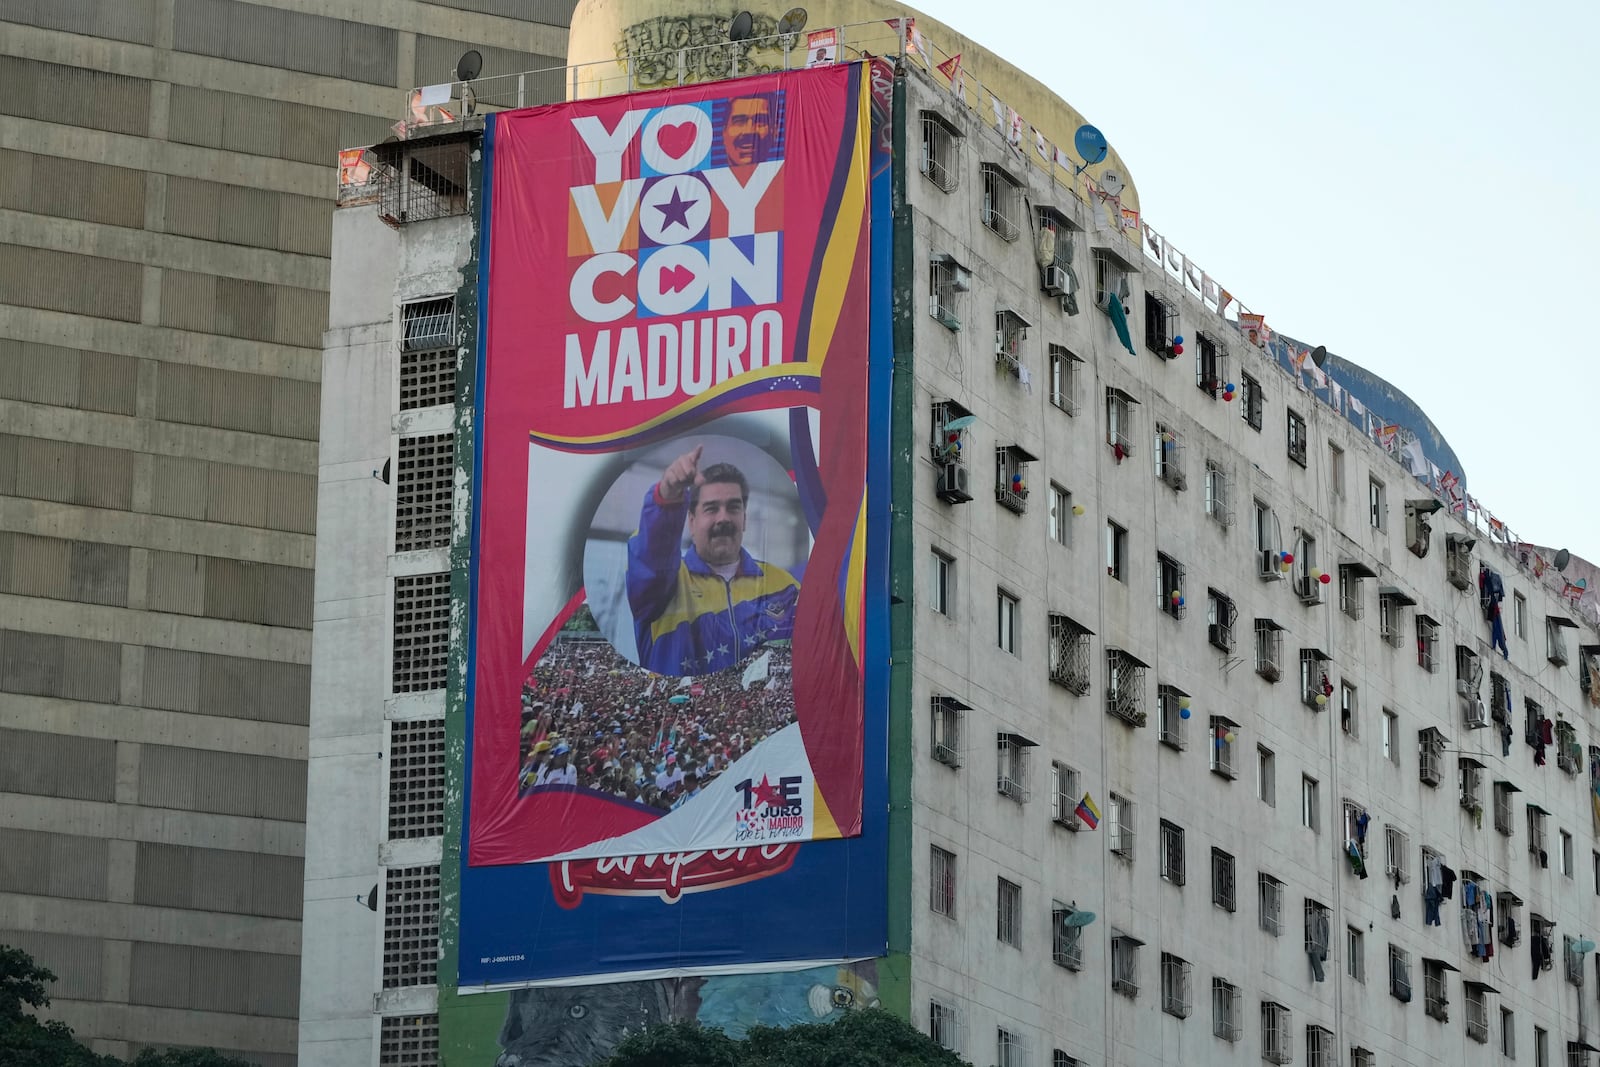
1011,766
1269,543
1297,438
1307,575
1172,706
941,581
1362,1057
1400,974
1064,379
1536,832
1064,795
1355,959
1435,990
1315,688
1335,471
1277,1037
941,146
1168,449
1519,615
1006,621
944,742
1541,1047
1119,423
1266,776
1066,937
1210,365
1508,1034
1594,862
1269,895
947,279
1060,515
1391,736
1430,756
1110,279
1396,855
1220,614
1169,585
1556,640
1377,505
1317,934
1174,985
1500,697
1354,819
1503,792
1310,805
1222,882
1476,997
1116,551
1011,477
427,353
1565,854
1319,1047
1008,912
1250,401
1269,649
1010,330
942,882
1217,495
1119,820
1470,772
1427,644
1055,253
1125,964
1069,654
1011,1049
1061,1059
1125,687
1350,600
1226,1010
1172,864
1221,741
1347,709
1002,202
1391,627
944,1025
1160,323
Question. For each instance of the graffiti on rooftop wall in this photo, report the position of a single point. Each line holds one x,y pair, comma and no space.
697,46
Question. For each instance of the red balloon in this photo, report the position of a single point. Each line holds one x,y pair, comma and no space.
1326,578
1177,350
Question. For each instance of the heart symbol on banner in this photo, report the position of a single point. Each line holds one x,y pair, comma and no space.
676,140
675,278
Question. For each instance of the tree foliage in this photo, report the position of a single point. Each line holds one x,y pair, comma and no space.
25,1041
869,1038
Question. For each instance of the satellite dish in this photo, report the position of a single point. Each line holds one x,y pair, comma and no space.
742,28
469,66
1079,918
1562,559
961,423
793,21
1112,183
1584,945
1319,355
1091,145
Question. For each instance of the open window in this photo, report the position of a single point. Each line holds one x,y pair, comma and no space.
1269,649
1169,585
947,280
1160,323
948,440
1002,202
1069,654
1011,477
1065,368
1210,364
941,151
1218,500
1125,686
1010,330
1172,703
1504,792
1351,572
1471,776
1554,628
1220,616
1119,422
1112,278
1012,752
1268,543
1057,241
1428,643
1392,602
948,716
1307,573
1315,685
1223,738
1168,448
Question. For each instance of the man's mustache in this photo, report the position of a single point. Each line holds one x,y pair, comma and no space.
724,529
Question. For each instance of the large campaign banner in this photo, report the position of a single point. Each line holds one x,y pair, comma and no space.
671,574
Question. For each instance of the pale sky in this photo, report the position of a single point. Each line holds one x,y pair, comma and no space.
1401,182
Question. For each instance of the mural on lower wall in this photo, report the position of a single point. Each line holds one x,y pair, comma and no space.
577,1026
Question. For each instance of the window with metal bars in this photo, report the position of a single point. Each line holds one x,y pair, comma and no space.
1174,985
1222,880
1125,687
416,778
1277,1035
408,1041
1069,654
424,491
1066,937
945,734
1226,1010
944,1025
421,632
1173,868
420,180
1269,893
1002,202
941,147
1008,912
410,926
1319,1047
428,324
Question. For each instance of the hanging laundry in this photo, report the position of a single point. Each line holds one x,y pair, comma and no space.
1119,322
1317,942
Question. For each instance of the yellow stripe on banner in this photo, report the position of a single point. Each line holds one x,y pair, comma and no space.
844,243
822,822
855,582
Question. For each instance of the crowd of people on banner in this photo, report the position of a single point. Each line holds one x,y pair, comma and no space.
593,720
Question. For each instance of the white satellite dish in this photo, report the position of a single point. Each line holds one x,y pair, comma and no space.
1112,183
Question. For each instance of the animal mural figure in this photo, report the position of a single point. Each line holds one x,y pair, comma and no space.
576,1026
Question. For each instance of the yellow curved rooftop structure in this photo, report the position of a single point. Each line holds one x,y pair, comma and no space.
617,46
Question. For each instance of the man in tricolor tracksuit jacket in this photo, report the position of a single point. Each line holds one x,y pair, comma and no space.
711,607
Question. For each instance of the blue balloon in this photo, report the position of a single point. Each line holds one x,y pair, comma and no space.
1178,340
1183,713
1090,143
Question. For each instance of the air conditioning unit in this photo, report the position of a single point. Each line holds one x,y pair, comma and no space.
1056,280
1477,716
960,278
954,484
1309,588
1267,566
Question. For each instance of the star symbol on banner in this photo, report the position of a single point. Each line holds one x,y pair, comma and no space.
688,663
766,793
710,655
675,211
722,650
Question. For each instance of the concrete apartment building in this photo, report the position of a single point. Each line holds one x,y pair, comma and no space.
167,181
1336,824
